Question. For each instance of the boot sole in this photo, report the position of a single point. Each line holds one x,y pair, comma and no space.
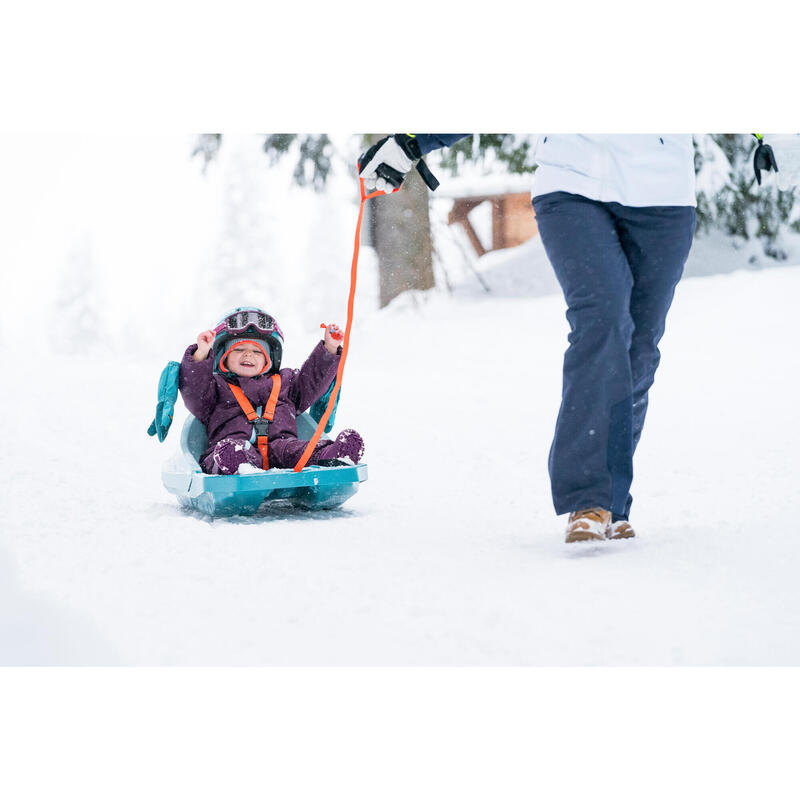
584,536
623,536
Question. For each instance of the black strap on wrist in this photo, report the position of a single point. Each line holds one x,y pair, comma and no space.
430,179
410,146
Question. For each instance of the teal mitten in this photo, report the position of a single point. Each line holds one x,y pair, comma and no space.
318,409
167,395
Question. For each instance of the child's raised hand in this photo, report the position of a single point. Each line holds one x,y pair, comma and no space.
334,336
204,342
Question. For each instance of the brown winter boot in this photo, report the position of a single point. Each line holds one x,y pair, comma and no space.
589,524
621,529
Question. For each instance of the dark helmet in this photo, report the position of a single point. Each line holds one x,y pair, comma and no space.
248,323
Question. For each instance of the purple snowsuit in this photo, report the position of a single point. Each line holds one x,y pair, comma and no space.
210,399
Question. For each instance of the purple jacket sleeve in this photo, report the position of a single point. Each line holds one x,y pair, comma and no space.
197,384
312,380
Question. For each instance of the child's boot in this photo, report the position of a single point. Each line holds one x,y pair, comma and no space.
349,446
588,525
229,454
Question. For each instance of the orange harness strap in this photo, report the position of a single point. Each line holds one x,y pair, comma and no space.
261,424
244,403
269,410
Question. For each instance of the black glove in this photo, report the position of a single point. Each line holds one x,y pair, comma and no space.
763,158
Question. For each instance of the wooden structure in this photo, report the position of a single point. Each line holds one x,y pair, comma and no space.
513,220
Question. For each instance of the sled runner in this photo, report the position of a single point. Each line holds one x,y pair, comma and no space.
313,488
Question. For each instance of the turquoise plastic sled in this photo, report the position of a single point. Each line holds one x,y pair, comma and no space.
312,488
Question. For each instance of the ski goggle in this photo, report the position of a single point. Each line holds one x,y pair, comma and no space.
240,321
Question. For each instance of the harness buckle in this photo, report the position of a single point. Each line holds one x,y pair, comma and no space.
261,426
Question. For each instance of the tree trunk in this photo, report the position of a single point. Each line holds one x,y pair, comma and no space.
401,231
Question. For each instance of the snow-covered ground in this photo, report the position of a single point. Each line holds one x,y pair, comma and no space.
450,554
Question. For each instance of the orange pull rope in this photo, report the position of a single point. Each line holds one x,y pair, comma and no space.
350,303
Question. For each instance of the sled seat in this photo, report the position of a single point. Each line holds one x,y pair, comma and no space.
312,488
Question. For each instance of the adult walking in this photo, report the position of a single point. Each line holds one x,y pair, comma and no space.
616,214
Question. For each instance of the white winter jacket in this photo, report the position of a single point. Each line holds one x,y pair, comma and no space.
635,169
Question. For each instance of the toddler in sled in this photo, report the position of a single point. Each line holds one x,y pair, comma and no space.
232,381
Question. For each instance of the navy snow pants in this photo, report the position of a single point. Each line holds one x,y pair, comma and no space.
618,267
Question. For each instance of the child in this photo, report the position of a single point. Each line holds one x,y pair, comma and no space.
234,371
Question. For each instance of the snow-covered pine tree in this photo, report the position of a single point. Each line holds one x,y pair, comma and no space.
244,265
312,153
729,198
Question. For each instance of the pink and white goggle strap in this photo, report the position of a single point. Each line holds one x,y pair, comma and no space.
240,321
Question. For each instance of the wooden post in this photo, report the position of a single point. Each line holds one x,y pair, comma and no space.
460,214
